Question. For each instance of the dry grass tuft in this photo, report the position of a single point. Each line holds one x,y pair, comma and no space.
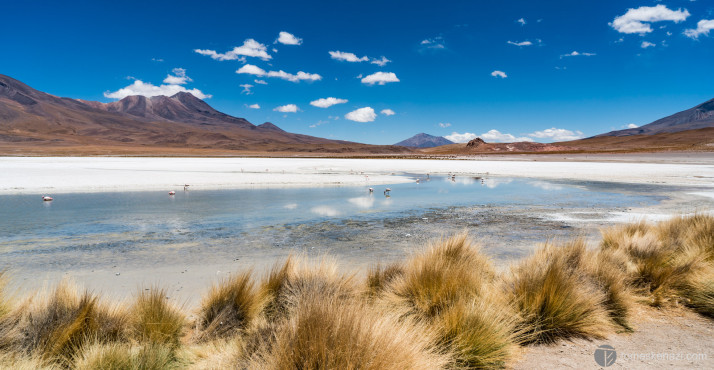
556,297
155,320
122,356
333,333
58,325
666,255
379,277
449,270
231,307
284,286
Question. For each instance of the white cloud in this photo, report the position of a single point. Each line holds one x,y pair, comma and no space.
254,106
461,138
257,71
575,54
380,78
178,78
703,28
638,20
327,102
522,43
287,38
433,43
381,62
250,48
246,89
444,124
387,112
557,134
157,60
632,125
289,108
347,57
252,70
318,123
290,206
646,44
148,89
490,136
499,137
260,82
353,58
365,114
362,202
521,21
500,74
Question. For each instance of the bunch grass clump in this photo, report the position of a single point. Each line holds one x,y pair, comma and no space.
557,297
326,332
231,307
155,320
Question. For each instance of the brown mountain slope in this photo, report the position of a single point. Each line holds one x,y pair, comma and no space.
701,116
36,122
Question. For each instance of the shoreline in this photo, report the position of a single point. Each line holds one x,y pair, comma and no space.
33,175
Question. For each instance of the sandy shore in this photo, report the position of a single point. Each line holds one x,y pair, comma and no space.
31,175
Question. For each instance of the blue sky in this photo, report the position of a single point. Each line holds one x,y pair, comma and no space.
452,68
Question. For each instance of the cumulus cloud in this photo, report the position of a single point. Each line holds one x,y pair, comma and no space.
557,134
646,44
365,114
178,78
638,20
456,137
577,54
522,21
381,62
254,106
444,124
353,58
703,28
246,89
288,108
287,38
499,137
632,125
327,102
260,82
171,86
250,48
387,112
347,57
380,78
257,71
493,136
500,74
522,43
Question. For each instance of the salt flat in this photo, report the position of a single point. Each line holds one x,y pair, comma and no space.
98,174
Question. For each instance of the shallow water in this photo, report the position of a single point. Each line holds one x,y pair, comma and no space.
153,227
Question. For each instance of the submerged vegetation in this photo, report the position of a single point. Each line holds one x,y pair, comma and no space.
444,307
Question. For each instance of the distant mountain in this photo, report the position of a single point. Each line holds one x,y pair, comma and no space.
701,116
423,140
180,121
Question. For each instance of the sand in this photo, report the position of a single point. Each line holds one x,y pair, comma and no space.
35,175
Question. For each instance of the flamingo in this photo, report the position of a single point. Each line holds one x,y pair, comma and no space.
47,198
172,192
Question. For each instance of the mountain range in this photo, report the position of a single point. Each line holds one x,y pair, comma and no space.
423,140
34,122
31,118
701,116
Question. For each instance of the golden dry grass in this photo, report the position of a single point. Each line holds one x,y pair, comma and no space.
326,332
444,307
230,307
154,320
